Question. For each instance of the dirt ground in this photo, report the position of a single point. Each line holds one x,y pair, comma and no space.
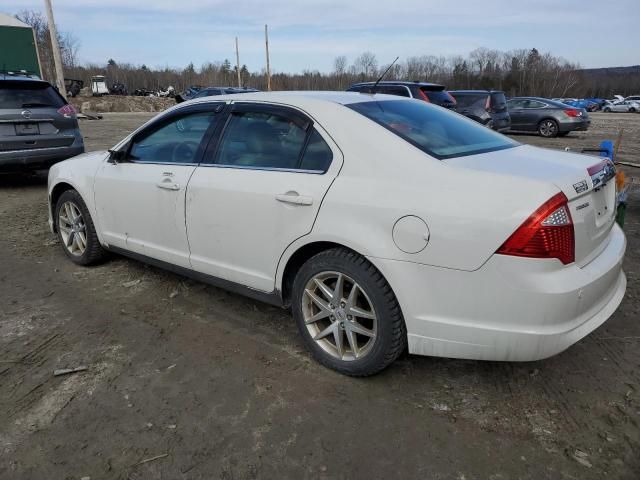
186,381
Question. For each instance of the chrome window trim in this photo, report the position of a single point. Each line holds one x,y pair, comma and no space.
269,169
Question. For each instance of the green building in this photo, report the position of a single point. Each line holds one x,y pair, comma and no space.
17,46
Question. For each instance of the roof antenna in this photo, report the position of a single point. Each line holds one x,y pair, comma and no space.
373,89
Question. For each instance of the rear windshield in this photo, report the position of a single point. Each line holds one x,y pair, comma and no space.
437,97
498,100
469,99
16,95
436,131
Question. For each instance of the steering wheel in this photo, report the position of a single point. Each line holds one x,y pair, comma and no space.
184,152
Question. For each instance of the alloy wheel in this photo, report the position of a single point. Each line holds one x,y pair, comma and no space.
339,316
547,128
73,230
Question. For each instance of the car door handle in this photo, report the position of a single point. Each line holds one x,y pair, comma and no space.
168,185
294,199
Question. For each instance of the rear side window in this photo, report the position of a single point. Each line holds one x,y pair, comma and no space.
318,155
261,140
16,95
434,130
469,99
393,90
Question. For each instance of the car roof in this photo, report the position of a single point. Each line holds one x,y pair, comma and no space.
400,82
299,98
475,91
20,78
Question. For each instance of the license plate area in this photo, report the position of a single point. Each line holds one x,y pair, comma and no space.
604,203
27,129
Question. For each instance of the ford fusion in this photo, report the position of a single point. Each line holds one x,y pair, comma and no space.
383,223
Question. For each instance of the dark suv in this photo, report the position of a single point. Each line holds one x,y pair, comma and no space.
37,126
429,92
488,107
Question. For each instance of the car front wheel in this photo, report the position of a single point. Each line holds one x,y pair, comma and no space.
548,128
347,314
76,231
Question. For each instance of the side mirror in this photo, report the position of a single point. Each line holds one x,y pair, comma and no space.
118,156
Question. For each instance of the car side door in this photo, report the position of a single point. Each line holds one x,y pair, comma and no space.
259,188
534,111
516,112
140,192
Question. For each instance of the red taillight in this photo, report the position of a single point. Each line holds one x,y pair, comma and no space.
573,113
547,233
67,110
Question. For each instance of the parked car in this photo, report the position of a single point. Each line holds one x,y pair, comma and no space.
547,117
428,92
188,93
622,106
331,203
633,98
143,92
588,105
37,125
488,107
214,91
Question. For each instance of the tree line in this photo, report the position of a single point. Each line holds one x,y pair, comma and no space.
516,72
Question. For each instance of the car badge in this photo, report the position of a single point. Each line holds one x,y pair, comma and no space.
26,114
581,186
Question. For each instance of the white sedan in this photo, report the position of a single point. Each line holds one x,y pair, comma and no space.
384,223
622,106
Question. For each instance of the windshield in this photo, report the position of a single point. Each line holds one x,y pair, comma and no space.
28,94
436,131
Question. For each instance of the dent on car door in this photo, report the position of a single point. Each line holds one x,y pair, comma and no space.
140,198
256,192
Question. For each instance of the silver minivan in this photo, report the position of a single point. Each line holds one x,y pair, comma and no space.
37,126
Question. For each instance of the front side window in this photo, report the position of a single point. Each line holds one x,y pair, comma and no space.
261,140
175,142
436,131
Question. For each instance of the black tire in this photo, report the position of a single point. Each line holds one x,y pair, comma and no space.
391,336
93,252
548,128
632,110
606,109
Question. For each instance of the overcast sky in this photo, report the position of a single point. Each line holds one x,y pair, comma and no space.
309,34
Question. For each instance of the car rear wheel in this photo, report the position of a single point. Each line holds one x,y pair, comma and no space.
76,231
607,109
347,314
632,110
548,128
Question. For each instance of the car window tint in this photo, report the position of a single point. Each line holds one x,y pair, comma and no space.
393,90
318,154
29,94
175,142
436,131
516,104
469,99
261,139
535,104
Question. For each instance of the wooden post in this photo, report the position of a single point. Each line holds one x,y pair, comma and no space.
266,42
57,60
238,64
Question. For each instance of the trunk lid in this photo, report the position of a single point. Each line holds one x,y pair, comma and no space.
30,117
587,181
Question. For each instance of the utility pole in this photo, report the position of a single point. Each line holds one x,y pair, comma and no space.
57,60
266,42
238,64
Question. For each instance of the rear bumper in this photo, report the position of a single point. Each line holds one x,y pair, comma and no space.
40,158
578,125
511,309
